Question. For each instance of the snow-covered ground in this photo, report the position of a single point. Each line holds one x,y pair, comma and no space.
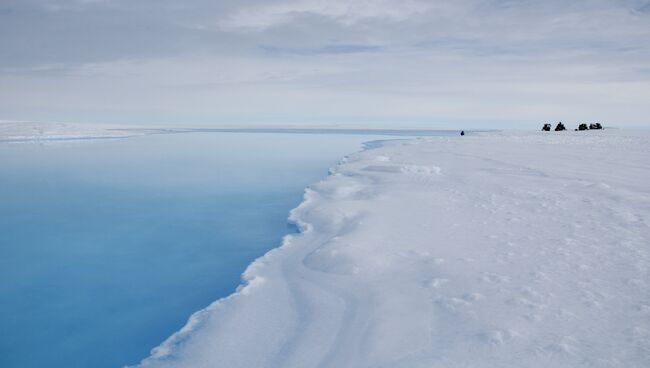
493,250
11,131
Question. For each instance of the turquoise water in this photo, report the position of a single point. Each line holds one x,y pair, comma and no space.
107,246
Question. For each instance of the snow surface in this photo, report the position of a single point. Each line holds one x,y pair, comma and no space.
492,250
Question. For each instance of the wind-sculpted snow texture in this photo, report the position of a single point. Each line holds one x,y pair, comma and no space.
496,250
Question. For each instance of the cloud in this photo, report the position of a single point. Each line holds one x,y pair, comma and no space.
261,17
327,49
369,59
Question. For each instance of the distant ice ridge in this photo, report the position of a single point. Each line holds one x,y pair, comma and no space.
21,131
493,250
11,131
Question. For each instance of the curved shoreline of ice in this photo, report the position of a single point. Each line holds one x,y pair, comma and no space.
250,279
487,250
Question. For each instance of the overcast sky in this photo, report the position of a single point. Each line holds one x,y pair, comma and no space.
463,63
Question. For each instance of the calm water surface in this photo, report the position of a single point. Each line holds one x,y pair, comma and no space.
107,246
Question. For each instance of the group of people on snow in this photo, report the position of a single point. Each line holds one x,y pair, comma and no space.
560,127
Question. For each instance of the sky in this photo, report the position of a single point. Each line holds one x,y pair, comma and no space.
463,63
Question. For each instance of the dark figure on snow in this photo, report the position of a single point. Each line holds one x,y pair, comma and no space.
560,127
595,126
582,127
546,128
462,132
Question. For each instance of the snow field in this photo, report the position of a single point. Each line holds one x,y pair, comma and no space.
491,250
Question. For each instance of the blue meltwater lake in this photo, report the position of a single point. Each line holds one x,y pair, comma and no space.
108,246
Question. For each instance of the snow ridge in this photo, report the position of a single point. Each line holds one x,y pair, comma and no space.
500,249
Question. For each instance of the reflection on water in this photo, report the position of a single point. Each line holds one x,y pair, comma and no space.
107,246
